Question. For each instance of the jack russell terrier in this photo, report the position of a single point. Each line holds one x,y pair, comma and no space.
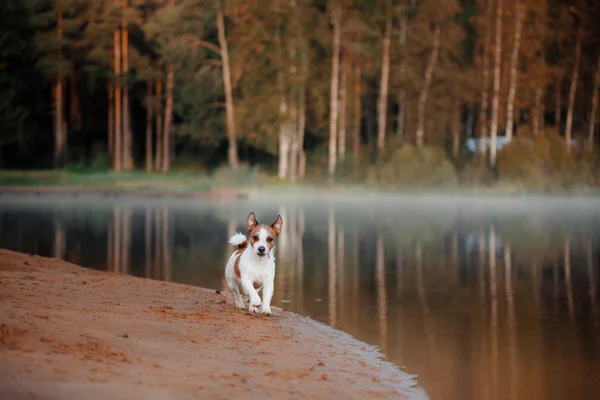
254,266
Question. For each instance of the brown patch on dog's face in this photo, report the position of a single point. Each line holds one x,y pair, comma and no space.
254,234
271,236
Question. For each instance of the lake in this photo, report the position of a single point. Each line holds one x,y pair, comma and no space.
481,298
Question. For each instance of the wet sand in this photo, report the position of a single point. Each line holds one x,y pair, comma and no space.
68,332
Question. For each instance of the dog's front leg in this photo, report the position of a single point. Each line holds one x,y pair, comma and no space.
254,299
267,295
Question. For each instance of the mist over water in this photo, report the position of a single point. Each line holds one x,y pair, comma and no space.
482,298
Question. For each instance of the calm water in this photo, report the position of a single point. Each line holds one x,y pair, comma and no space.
482,299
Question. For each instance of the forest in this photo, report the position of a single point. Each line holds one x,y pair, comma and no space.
390,93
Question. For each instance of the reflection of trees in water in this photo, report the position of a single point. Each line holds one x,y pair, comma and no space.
381,295
156,248
493,309
60,244
568,283
592,280
422,292
148,242
331,263
512,338
340,273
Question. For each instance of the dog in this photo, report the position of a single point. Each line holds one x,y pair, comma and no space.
253,264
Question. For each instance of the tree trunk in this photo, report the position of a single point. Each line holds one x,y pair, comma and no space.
302,114
558,104
58,122
294,47
111,118
456,119
74,109
592,121
537,110
485,75
496,90
385,81
149,118
357,114
284,112
285,136
470,121
127,160
333,95
58,101
293,156
572,91
118,154
232,152
402,91
343,105
166,151
426,84
159,124
166,135
514,68
301,129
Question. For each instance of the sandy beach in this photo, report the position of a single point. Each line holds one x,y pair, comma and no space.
68,332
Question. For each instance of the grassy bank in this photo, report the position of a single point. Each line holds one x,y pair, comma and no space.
246,181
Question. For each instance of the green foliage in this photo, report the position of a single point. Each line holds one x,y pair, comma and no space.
476,172
243,176
348,171
100,161
543,162
16,83
408,165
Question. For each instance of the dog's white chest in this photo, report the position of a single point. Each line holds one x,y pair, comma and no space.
260,271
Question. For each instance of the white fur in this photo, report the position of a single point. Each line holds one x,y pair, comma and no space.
253,268
237,239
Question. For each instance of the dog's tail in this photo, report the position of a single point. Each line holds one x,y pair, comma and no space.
239,240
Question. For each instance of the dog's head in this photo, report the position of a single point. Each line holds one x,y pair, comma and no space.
262,237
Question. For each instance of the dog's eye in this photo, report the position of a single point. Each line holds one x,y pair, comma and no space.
269,239
254,237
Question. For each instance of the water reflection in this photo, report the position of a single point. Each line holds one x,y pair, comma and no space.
486,304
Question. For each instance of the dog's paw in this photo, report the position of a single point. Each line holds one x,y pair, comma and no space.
254,309
240,306
267,312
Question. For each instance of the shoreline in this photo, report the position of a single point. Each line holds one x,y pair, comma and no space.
300,191
68,331
39,190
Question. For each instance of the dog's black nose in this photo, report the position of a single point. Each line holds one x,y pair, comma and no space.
261,249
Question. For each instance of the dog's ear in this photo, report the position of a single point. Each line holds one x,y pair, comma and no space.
252,222
277,225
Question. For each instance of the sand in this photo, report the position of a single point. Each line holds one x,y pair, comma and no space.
68,332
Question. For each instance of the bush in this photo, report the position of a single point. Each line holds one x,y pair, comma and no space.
188,162
244,175
542,162
317,166
100,161
476,172
408,165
